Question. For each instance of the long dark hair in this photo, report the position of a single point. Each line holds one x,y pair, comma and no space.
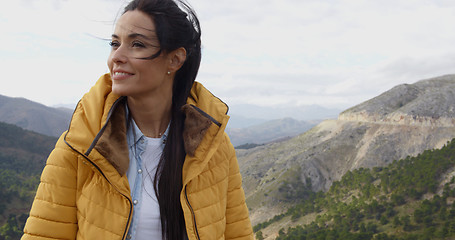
176,26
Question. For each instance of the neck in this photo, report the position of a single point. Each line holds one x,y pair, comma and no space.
152,116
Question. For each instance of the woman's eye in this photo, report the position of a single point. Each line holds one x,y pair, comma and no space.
138,44
114,44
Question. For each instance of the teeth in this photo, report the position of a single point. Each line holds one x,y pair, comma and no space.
121,73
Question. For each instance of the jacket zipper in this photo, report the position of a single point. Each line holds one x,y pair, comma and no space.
101,172
96,166
192,213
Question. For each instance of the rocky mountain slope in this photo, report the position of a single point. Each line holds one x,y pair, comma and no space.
411,198
34,116
425,103
403,121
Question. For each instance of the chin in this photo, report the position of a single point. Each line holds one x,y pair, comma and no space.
119,90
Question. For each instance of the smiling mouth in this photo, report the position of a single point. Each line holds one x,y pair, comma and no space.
122,74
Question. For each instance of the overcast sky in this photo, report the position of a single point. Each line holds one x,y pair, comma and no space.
265,52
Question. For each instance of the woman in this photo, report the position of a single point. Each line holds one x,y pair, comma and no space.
145,156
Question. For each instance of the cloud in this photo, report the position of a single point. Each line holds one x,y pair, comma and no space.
411,67
331,53
269,52
51,51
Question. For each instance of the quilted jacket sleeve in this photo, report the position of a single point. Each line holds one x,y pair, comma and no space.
53,213
238,225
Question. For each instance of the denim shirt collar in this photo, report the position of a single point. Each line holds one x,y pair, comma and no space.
133,133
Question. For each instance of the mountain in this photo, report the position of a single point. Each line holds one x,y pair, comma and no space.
269,131
427,102
412,198
34,116
22,158
401,122
53,121
239,121
266,113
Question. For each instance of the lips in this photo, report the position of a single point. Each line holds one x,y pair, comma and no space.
120,75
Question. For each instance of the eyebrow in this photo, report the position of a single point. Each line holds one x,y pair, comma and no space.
134,35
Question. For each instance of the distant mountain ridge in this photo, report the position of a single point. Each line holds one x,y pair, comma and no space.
54,121
401,122
34,116
304,112
269,131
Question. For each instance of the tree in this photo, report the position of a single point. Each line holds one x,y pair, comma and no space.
406,223
398,199
418,216
9,230
443,213
396,222
259,236
372,228
384,220
428,221
363,229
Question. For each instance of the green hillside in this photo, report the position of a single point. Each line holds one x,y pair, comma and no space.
413,198
22,158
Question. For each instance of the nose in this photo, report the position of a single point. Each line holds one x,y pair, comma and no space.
118,55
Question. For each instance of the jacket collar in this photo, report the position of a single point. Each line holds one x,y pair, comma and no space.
110,138
112,143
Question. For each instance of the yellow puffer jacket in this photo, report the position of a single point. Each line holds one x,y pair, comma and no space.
84,192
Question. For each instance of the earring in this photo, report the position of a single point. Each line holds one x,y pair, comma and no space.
168,72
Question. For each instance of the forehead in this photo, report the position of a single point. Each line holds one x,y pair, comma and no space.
135,22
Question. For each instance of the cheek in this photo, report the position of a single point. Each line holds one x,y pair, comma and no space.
109,63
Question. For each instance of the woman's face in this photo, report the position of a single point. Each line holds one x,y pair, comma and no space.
135,38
